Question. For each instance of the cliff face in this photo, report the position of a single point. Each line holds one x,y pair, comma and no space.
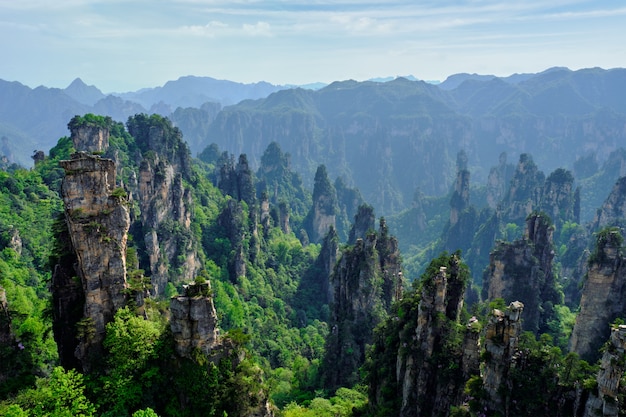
98,220
501,339
612,366
164,201
460,197
194,321
431,375
324,210
498,180
530,191
522,270
603,298
364,282
166,216
613,211
422,356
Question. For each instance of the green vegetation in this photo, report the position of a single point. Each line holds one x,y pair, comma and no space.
270,292
89,120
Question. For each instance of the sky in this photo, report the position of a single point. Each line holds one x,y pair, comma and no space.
120,45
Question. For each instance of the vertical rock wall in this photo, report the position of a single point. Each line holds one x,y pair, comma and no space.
194,321
523,270
603,297
98,221
612,367
501,338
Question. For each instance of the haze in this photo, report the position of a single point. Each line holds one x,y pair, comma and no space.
127,45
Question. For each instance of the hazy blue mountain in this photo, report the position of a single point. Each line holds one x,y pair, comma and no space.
390,139
191,91
34,119
83,93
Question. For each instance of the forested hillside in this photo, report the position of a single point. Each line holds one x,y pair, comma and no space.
137,280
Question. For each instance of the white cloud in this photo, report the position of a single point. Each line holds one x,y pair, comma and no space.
211,29
258,29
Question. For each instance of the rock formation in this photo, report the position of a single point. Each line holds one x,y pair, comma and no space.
530,191
194,321
612,367
501,339
164,201
522,270
422,356
98,221
364,221
322,214
559,199
603,298
498,180
613,211
460,197
363,284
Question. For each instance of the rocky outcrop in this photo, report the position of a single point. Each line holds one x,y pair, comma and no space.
323,213
530,191
460,197
364,221
461,225
98,220
603,298
422,356
363,284
194,321
613,211
498,180
427,387
501,339
325,263
605,402
522,270
237,181
232,225
559,199
165,202
90,137
165,206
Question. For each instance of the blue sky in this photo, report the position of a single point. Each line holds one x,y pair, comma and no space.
121,45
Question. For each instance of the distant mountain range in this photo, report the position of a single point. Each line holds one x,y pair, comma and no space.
389,138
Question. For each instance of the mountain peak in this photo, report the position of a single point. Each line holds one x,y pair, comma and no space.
83,93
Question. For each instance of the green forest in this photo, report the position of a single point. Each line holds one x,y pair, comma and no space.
137,280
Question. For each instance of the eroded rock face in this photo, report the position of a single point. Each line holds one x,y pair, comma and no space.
497,181
98,223
613,211
423,341
501,339
323,213
364,221
612,367
602,299
90,138
522,270
362,280
194,321
166,217
460,197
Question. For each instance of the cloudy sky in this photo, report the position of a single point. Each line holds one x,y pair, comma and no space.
121,45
